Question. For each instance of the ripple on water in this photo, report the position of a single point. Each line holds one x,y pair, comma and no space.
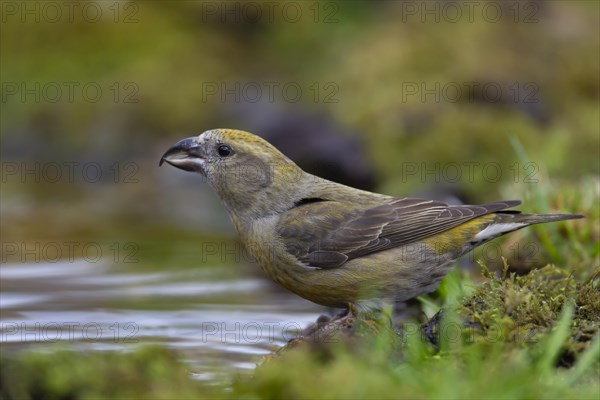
78,304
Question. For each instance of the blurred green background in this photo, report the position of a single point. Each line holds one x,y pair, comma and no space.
461,101
418,86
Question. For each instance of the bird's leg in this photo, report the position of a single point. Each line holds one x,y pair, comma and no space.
346,313
351,309
375,316
325,325
347,317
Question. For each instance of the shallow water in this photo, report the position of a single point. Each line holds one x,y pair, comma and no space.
221,323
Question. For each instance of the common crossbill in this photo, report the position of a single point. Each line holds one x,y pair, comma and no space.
333,244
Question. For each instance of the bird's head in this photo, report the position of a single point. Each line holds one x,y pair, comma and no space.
249,174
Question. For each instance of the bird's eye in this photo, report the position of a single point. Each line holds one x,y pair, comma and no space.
224,150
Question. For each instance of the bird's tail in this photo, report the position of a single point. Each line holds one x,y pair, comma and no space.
508,221
531,219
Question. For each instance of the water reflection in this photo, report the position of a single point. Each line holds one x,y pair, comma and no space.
219,324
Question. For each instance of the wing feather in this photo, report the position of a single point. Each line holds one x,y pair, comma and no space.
329,233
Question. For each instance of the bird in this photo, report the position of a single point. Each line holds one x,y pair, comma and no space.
333,244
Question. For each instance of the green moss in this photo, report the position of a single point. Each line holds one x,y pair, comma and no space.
373,369
148,372
521,310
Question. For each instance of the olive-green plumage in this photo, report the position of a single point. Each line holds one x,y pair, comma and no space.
333,244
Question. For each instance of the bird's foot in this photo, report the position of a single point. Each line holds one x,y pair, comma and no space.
326,325
347,323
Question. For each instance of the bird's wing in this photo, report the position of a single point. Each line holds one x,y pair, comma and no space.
326,234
